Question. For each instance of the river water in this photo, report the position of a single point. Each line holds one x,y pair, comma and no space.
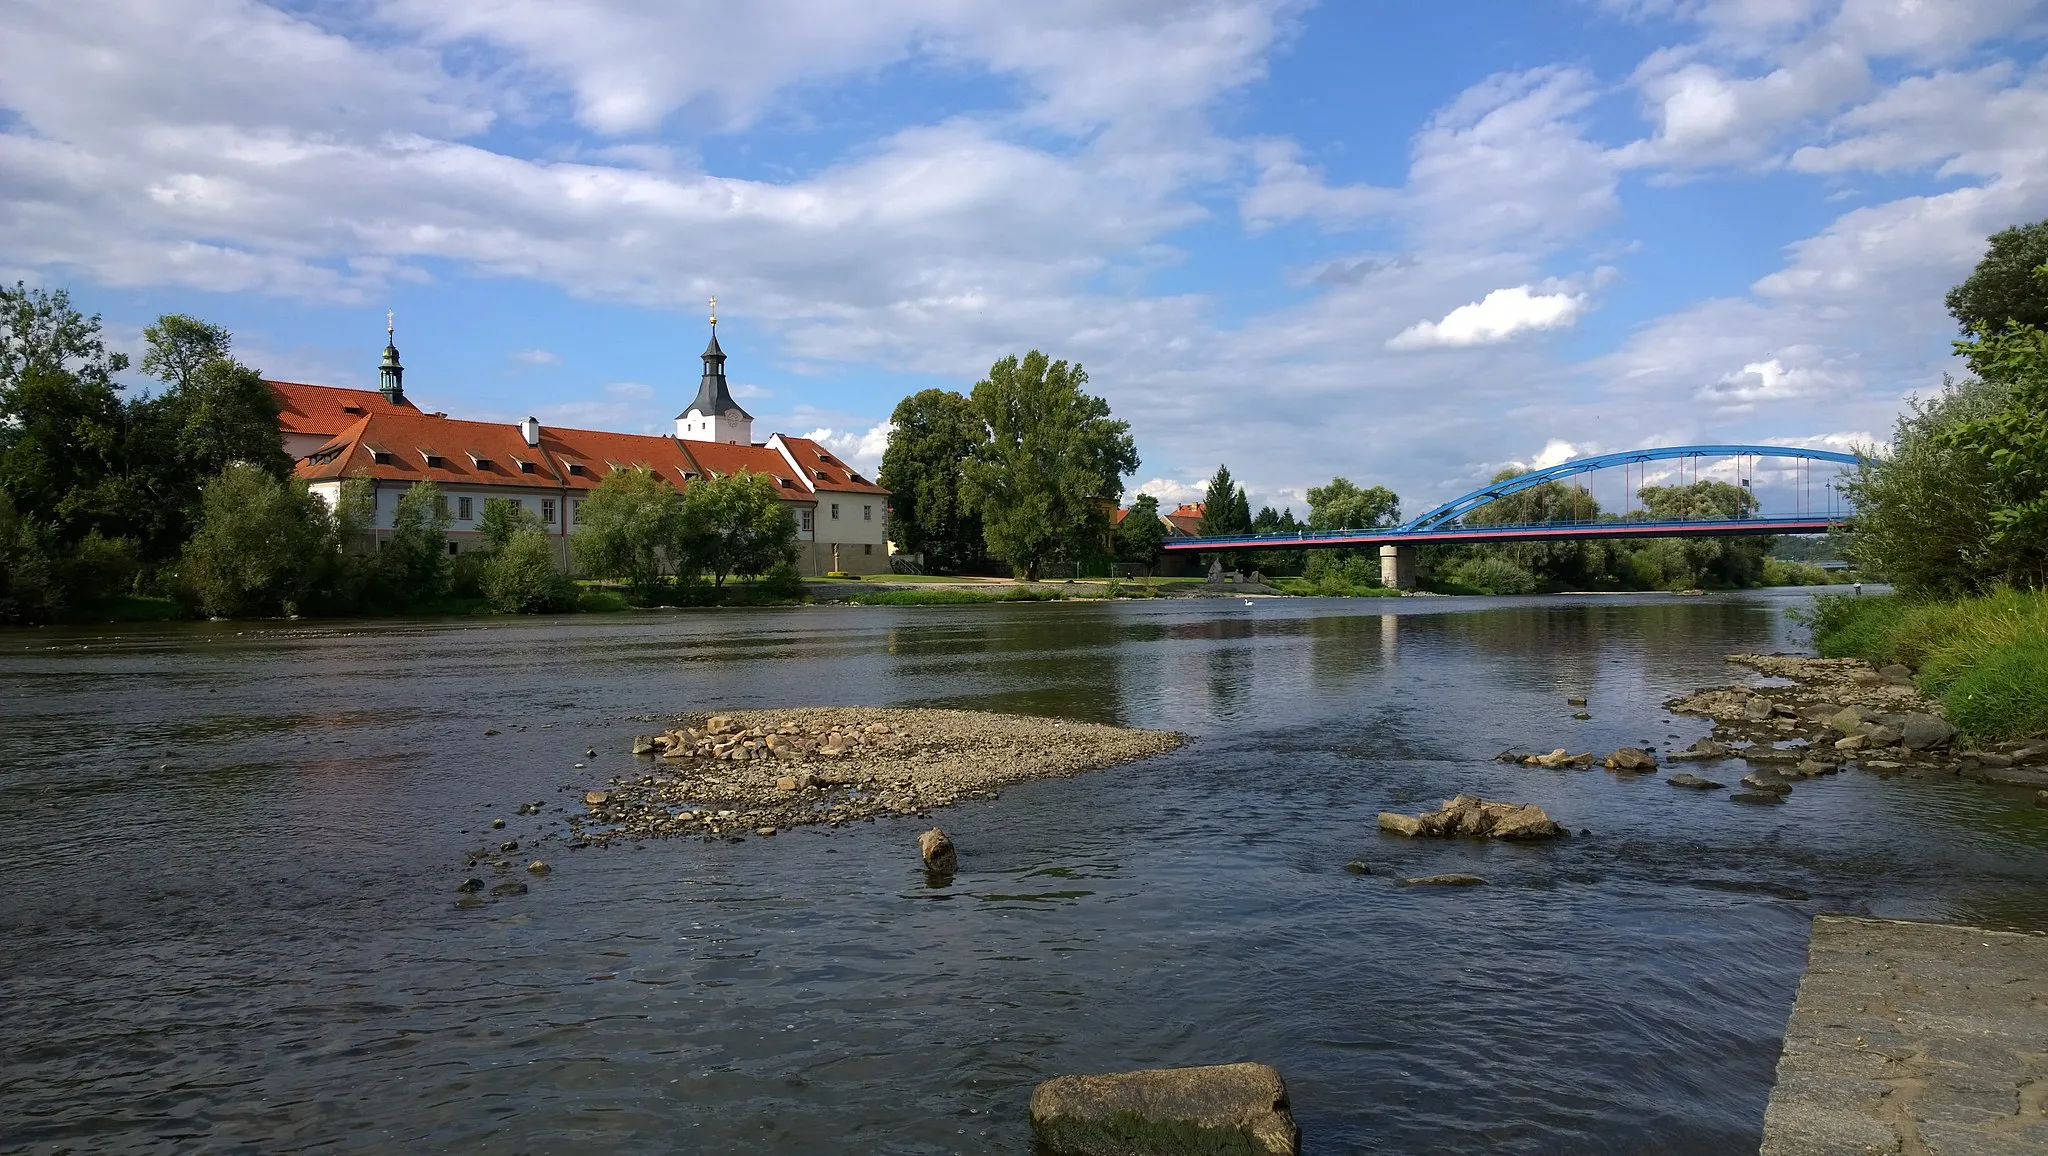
229,857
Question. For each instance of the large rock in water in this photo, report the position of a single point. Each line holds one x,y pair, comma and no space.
1226,1108
1922,732
1473,816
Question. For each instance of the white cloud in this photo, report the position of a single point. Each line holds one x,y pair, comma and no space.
1288,190
1171,493
1772,381
1497,317
863,451
535,357
623,405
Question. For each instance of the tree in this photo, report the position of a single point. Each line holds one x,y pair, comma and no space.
2008,450
2003,289
931,433
40,330
1225,509
1695,562
414,560
1342,505
633,525
62,425
1052,457
737,524
520,576
180,346
1141,536
260,545
503,518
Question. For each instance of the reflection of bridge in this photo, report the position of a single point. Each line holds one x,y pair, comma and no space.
1446,524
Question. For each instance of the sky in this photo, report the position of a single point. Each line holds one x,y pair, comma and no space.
1409,243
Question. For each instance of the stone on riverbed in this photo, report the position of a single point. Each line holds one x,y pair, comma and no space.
1473,816
935,847
1703,749
1225,1108
1693,781
1920,732
1631,759
1450,880
1756,797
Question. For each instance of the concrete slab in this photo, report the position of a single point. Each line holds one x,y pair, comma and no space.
1914,1039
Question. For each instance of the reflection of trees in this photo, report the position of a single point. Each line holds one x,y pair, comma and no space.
1344,648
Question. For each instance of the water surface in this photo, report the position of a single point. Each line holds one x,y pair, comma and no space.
229,853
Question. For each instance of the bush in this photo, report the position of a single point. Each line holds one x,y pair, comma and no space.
2005,695
1491,575
1779,572
260,546
784,582
601,602
521,578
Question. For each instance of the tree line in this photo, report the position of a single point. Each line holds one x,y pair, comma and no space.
185,493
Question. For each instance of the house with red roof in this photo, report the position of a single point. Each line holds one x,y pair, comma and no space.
336,434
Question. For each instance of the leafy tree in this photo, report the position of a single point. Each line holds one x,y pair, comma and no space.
40,330
1703,562
738,524
1052,457
414,560
931,433
633,525
2008,448
520,576
503,518
181,346
1141,536
2003,289
261,544
1225,509
62,426
1342,505
1923,509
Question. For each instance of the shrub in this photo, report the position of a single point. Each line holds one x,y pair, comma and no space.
521,578
260,546
1491,575
2005,695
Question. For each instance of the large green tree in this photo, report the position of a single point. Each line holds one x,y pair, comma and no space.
1053,461
1225,508
633,527
2003,289
738,524
262,546
414,562
931,434
1343,505
2008,449
1141,536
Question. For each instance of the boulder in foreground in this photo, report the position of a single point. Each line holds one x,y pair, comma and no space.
1474,816
1225,1108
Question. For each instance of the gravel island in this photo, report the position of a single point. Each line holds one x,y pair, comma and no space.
762,771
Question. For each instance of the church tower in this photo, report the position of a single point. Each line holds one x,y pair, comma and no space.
714,416
391,375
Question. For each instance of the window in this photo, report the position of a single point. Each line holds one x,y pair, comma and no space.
462,508
547,511
453,548
835,511
867,512
803,520
576,511
525,467
381,457
867,547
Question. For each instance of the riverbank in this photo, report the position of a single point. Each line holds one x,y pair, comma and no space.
1985,658
1837,712
1913,1038
765,771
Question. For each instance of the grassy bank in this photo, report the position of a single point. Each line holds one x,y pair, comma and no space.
1986,658
951,597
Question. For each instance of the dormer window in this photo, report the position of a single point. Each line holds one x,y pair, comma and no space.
822,475
351,408
482,462
825,458
382,456
525,467
577,469
434,460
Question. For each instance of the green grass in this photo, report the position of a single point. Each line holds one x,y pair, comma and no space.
1309,588
951,597
1987,658
601,602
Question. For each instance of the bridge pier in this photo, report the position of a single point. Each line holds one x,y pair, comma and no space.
1397,567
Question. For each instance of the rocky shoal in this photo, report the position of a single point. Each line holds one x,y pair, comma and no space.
764,771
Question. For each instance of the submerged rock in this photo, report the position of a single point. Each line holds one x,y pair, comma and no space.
1360,867
1450,880
1693,781
1757,797
1703,749
935,847
1225,1108
1631,759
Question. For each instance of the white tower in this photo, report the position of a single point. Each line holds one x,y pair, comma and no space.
714,416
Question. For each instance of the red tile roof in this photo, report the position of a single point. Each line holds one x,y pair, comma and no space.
823,469
1186,520
326,410
723,459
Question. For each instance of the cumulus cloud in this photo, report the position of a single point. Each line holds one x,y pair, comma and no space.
1498,316
1289,190
1769,381
1170,492
863,451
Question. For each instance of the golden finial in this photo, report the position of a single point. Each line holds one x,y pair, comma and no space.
714,311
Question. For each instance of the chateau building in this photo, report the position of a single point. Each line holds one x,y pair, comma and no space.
335,434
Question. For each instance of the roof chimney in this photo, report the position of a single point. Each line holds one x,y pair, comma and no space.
530,430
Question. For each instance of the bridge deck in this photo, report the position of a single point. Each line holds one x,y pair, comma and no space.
1541,532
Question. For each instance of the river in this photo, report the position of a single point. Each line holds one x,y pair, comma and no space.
229,856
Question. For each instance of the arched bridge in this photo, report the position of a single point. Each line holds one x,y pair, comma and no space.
1446,524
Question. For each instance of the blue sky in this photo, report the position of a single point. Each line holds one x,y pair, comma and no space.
1405,242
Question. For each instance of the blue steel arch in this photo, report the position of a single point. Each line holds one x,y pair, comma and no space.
1459,506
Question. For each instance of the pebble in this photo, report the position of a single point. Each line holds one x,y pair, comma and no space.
499,824
471,884
539,867
509,845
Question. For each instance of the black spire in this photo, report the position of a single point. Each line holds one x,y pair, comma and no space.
713,398
390,374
